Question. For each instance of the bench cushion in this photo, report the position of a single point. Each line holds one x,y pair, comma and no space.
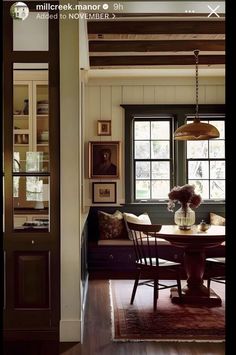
216,219
120,242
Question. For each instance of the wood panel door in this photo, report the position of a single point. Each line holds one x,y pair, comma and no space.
31,183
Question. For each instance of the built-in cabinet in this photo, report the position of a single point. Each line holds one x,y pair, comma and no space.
31,178
31,213
31,147
30,112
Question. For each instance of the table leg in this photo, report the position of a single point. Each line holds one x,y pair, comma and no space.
195,292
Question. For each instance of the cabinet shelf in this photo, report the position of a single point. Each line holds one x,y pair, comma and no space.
42,116
21,116
21,144
21,131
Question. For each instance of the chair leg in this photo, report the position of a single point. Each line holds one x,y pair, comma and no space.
208,283
155,295
179,287
135,286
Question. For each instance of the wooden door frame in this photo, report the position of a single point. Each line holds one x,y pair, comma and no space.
52,58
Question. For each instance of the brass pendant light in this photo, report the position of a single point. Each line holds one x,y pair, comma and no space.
196,130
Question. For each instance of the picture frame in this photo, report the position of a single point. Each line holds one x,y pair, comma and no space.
104,127
104,192
104,160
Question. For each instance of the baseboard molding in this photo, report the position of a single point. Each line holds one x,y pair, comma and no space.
30,335
70,330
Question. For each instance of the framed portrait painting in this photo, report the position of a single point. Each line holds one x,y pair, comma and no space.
104,192
104,128
104,160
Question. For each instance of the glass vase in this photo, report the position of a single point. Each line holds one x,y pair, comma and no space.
184,218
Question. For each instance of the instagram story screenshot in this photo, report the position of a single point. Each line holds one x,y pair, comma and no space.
114,177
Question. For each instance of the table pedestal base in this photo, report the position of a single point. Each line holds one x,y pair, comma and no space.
213,300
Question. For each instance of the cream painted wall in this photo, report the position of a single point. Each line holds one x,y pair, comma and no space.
105,95
71,217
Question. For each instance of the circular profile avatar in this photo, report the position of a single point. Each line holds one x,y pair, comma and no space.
19,11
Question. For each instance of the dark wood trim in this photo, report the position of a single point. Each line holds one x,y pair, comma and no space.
155,46
8,110
171,108
155,60
33,335
30,57
157,27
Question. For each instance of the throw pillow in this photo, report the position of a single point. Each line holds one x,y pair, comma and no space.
111,226
217,220
132,218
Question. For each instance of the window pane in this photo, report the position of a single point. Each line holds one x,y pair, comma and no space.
198,169
142,170
31,202
16,182
216,149
30,34
142,130
217,188
160,130
160,150
197,149
160,189
217,169
201,187
161,170
142,190
220,125
142,150
152,158
31,120
42,124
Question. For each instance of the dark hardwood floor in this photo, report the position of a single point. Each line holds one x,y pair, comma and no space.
97,336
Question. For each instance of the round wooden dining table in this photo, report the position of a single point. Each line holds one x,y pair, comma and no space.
194,242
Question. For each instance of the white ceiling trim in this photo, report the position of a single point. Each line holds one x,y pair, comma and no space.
177,53
158,72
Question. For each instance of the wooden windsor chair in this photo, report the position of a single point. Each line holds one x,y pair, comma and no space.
145,241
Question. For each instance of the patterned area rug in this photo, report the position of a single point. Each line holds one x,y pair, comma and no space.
170,322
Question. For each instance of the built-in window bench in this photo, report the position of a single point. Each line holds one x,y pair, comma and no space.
115,258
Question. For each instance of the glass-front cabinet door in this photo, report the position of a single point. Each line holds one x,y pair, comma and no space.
31,177
31,168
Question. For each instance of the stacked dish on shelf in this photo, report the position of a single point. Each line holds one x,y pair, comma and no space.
42,107
44,136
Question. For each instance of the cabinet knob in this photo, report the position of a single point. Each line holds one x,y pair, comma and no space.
111,257
32,241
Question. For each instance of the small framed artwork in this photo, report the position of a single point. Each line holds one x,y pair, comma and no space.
104,160
104,192
104,128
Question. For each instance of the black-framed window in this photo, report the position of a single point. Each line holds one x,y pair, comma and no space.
206,163
142,175
153,157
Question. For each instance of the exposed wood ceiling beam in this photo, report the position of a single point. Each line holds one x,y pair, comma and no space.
156,46
157,27
155,60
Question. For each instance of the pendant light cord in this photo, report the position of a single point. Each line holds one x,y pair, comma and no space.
196,52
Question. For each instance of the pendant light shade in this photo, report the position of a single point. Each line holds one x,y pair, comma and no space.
196,130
